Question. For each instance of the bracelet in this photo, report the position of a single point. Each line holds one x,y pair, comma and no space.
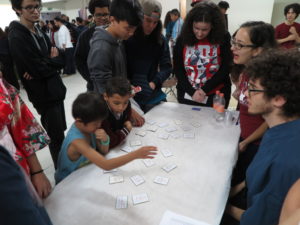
37,172
106,142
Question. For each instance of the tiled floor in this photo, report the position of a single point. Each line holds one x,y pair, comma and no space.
75,85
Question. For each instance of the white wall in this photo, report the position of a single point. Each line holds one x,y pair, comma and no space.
7,14
278,12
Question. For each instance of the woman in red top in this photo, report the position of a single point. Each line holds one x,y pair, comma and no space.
250,40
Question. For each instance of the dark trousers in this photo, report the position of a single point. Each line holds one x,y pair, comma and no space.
69,62
54,121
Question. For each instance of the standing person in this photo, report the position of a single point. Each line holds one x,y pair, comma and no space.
224,6
65,44
148,57
168,25
53,34
274,83
288,33
106,56
202,57
38,64
80,26
178,22
250,40
100,10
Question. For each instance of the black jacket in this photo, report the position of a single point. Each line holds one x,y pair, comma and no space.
31,54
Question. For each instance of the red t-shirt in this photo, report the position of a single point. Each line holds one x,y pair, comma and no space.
283,31
249,123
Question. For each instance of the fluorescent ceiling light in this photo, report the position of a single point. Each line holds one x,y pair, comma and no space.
47,1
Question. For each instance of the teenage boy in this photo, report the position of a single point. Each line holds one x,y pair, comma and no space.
86,135
288,33
106,56
273,93
148,57
37,65
100,10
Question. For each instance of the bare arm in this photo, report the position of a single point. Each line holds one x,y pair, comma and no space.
234,211
237,188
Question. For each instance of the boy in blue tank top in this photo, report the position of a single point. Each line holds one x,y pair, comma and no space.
87,142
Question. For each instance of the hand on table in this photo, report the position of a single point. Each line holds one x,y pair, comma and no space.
146,152
199,96
137,119
128,125
41,184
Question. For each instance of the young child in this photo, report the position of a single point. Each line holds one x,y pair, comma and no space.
117,125
85,136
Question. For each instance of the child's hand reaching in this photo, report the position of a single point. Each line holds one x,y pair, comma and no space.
101,135
146,152
128,125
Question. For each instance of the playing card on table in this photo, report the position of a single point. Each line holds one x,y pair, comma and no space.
122,202
186,128
152,128
140,198
137,179
163,136
126,149
135,143
148,162
189,135
141,133
178,122
170,129
151,122
169,167
116,179
175,135
163,124
110,171
166,152
161,180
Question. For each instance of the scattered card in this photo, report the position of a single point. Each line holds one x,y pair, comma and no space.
135,143
166,153
116,179
169,167
151,122
161,180
148,162
186,128
126,149
122,202
140,198
178,122
152,128
189,135
110,171
163,136
175,135
141,133
170,129
163,124
137,179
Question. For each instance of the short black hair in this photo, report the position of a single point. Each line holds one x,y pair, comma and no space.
118,85
79,19
223,5
17,4
127,10
98,3
278,72
294,6
206,12
89,107
58,19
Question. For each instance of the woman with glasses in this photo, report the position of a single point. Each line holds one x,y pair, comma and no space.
249,40
202,56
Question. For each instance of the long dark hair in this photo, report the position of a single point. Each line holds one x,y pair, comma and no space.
167,19
206,12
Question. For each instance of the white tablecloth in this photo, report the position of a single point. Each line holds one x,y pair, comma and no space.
198,187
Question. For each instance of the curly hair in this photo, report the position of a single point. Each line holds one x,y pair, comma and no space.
294,6
206,12
279,74
98,3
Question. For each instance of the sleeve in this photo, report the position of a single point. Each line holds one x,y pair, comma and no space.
28,59
223,72
179,70
165,66
100,64
81,57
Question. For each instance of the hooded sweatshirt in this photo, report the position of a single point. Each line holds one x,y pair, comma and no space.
106,59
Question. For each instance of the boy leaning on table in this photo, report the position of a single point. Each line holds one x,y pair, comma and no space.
87,142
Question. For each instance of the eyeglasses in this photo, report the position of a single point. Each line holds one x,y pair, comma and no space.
101,15
31,8
254,90
239,46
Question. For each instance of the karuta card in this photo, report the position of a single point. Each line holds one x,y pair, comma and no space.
170,129
110,171
169,167
135,143
141,133
140,198
148,162
189,135
137,179
122,202
161,180
116,179
163,136
175,135
152,128
163,124
166,152
126,149
186,128
151,122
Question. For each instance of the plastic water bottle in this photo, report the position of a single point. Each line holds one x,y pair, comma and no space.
220,108
216,99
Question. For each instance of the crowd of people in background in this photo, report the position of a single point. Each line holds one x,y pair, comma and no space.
125,54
